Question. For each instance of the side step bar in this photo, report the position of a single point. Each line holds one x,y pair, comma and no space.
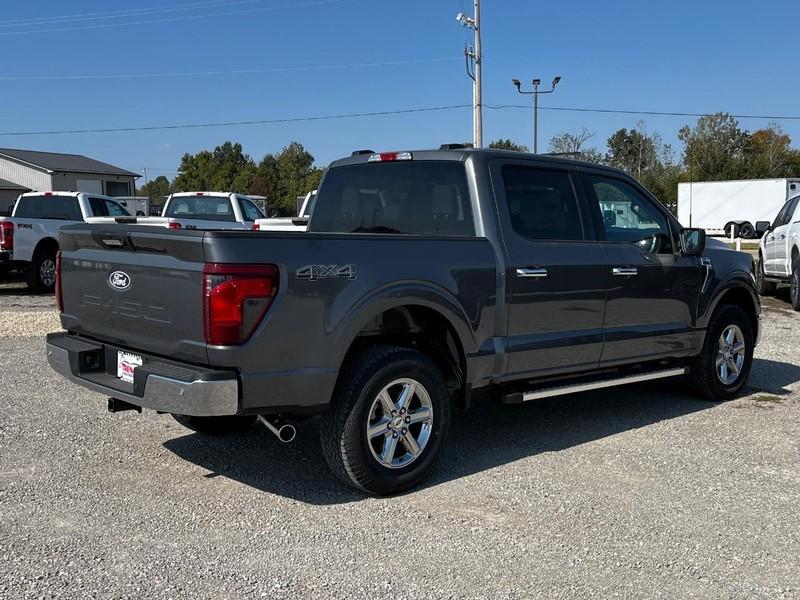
586,386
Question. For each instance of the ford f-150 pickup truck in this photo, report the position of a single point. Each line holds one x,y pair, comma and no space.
29,237
424,278
203,210
779,253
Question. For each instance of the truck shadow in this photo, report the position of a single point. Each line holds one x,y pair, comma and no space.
487,436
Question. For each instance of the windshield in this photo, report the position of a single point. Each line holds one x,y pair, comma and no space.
422,198
209,208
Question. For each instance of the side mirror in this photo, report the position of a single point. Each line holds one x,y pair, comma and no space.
693,241
762,227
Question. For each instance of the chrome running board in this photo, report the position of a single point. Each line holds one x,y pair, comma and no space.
596,385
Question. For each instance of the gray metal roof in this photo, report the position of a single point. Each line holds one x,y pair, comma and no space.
57,162
7,185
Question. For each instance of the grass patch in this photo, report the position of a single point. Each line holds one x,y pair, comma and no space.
767,399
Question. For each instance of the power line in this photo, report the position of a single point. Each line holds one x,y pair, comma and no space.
116,14
642,112
233,72
171,19
237,123
383,113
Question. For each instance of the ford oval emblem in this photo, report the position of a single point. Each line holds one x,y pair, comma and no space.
119,280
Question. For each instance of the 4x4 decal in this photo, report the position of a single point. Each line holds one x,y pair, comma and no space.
315,272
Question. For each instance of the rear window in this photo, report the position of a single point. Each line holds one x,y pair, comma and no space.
209,208
65,208
422,198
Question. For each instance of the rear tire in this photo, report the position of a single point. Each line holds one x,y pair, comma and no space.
729,337
224,425
372,437
41,274
764,287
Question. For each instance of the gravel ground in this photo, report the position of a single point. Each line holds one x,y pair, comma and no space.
635,492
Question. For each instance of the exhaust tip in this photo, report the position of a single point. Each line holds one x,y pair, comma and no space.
287,433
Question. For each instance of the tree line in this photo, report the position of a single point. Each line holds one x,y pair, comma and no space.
717,148
280,177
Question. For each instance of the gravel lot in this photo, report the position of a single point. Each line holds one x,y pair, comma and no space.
636,492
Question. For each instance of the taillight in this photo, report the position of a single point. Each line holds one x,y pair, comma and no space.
173,225
256,227
6,235
59,297
235,300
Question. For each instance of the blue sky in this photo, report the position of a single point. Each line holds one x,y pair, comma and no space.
736,56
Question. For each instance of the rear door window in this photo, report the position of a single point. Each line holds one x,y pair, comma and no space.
542,203
409,197
209,208
63,208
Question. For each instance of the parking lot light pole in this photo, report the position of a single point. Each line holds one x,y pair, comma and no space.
535,93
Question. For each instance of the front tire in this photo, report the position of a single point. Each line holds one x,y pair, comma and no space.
764,287
794,285
388,419
720,371
224,425
41,275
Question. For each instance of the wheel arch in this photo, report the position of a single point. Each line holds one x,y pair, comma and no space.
44,244
737,293
434,324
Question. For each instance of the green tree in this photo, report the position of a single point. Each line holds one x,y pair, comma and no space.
770,155
226,169
572,144
715,149
156,189
503,144
284,176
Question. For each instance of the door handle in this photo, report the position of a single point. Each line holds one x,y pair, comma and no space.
625,271
532,273
783,236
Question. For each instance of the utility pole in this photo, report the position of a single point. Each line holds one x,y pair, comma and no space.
474,58
145,176
535,93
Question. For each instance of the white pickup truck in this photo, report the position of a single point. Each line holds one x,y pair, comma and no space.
779,253
206,210
29,237
299,223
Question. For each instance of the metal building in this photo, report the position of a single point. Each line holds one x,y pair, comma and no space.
30,170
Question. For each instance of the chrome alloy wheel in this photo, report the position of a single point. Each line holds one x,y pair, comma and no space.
47,272
730,354
399,424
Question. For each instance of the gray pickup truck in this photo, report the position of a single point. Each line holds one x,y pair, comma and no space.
424,278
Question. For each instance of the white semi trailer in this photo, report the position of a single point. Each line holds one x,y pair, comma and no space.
733,207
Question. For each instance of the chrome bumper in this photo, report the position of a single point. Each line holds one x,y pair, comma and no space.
216,395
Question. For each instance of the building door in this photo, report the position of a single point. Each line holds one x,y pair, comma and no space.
91,186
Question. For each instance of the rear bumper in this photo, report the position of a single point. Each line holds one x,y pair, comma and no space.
158,384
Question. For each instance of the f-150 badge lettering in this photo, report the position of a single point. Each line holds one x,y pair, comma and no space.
315,272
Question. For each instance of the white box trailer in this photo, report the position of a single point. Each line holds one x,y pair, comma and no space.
733,205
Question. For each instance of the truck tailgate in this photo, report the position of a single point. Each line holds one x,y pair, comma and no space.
135,287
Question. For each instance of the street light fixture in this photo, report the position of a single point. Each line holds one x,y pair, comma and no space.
535,93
